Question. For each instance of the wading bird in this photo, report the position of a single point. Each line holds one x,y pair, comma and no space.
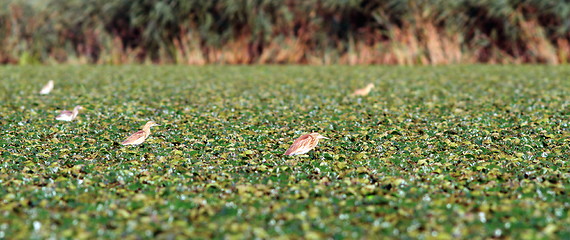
47,88
67,115
139,137
304,144
363,91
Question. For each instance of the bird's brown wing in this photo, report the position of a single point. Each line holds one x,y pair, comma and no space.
134,137
299,143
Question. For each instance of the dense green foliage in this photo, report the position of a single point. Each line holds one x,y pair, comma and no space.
460,151
260,31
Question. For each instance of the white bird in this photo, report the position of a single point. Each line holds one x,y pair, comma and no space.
67,115
363,91
47,88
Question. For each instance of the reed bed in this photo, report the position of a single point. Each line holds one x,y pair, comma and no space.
284,32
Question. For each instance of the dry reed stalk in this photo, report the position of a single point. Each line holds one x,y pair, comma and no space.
269,52
119,55
406,47
452,48
537,42
469,57
365,53
116,51
233,52
60,55
489,54
294,53
188,51
211,54
385,54
351,57
563,50
289,50
314,58
180,50
433,44
237,51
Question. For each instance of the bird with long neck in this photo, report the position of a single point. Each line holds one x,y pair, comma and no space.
67,115
363,91
140,136
47,88
304,144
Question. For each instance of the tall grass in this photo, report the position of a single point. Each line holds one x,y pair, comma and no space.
285,31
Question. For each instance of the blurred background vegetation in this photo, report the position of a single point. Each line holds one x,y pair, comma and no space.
284,31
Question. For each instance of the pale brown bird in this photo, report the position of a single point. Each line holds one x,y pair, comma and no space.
67,115
304,144
140,136
363,91
47,88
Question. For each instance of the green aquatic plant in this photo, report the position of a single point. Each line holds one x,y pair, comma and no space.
442,152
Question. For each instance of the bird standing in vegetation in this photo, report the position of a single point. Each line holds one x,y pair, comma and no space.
47,88
304,144
363,91
140,136
67,115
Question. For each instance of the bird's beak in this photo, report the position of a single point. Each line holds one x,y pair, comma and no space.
325,137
